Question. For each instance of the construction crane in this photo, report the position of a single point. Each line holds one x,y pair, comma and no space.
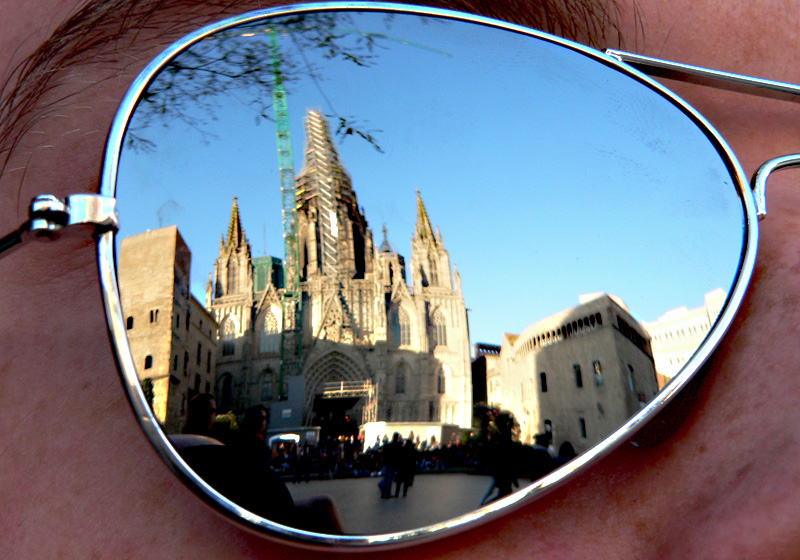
292,300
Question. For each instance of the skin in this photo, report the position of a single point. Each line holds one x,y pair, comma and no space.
80,480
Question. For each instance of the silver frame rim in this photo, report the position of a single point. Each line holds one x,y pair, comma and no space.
116,325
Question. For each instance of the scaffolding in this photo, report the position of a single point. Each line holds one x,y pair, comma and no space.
345,389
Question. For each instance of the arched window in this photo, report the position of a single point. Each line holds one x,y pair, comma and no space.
631,379
439,330
228,337
267,385
401,327
440,383
543,382
233,277
129,323
270,333
400,379
598,373
148,362
576,368
434,279
224,393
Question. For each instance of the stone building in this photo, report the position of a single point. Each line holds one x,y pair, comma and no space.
578,374
484,359
173,338
365,329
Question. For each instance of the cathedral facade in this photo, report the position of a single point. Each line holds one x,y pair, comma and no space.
398,350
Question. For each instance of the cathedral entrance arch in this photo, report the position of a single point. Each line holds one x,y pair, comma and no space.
332,414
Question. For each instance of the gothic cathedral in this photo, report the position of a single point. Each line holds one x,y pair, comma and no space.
363,325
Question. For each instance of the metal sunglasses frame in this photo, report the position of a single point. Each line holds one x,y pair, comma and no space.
49,216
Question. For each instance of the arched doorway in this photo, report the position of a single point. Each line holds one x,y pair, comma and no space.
341,414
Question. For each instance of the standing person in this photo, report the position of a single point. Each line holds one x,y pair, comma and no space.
391,455
502,456
407,467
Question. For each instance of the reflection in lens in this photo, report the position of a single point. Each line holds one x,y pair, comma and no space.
290,352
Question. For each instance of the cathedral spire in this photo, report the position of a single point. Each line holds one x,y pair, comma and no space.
236,236
423,231
386,247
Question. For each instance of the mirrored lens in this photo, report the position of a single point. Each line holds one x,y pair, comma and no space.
409,263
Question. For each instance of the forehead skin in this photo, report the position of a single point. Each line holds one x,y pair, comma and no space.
80,480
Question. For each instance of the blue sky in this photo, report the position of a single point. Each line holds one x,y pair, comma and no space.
548,175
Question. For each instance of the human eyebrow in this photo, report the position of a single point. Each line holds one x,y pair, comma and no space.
98,33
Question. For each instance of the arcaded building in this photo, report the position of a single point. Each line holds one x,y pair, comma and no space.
578,374
173,338
398,350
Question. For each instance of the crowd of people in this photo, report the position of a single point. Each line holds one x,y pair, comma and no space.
252,471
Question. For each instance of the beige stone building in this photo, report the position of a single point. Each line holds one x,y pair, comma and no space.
578,374
363,324
678,333
173,338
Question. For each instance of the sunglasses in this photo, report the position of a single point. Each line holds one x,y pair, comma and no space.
580,241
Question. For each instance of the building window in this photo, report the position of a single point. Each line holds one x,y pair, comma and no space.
153,315
439,330
631,378
440,383
185,363
583,427
578,375
208,363
148,362
199,353
228,338
401,327
400,382
233,277
267,385
175,363
224,393
129,323
270,333
543,382
598,373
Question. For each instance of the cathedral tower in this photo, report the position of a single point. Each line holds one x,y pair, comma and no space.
363,325
334,236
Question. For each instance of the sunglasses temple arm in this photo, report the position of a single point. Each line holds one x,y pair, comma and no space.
707,77
49,215
759,182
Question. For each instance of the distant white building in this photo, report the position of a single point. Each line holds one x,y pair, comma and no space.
677,334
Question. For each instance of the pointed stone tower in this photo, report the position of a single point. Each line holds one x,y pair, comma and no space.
334,235
429,260
231,307
234,267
